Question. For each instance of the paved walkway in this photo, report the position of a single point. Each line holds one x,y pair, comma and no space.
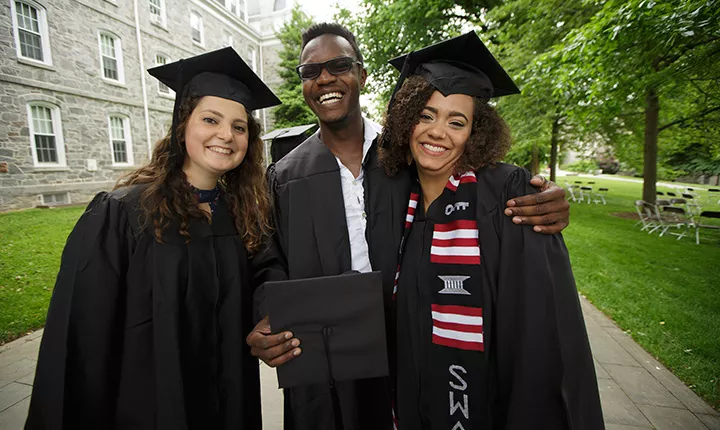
697,187
637,392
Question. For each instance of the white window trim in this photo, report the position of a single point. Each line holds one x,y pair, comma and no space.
118,57
253,60
57,130
44,34
201,43
240,10
41,197
280,10
171,93
162,21
128,139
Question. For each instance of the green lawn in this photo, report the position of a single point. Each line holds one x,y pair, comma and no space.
31,242
664,292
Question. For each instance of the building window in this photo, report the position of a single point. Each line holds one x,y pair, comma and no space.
120,144
161,60
279,5
236,7
157,11
55,199
111,60
196,26
242,12
252,57
47,144
31,31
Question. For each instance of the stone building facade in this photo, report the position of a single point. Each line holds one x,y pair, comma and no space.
78,108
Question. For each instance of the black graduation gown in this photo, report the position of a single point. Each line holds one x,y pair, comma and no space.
536,370
311,233
145,335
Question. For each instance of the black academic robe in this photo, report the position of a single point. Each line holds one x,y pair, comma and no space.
148,335
502,334
311,233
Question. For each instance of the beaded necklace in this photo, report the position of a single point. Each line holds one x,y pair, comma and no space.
210,197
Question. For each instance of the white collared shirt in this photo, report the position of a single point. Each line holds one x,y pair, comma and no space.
354,198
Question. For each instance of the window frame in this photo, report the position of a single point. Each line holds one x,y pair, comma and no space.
56,119
162,19
253,59
42,29
239,9
201,29
275,2
170,93
128,140
117,46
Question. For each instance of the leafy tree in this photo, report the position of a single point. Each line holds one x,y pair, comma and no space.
634,54
517,30
293,111
387,29
521,32
593,72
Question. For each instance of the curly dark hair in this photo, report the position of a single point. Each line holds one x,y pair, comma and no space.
317,30
488,143
169,197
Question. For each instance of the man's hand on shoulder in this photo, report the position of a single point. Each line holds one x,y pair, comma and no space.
547,211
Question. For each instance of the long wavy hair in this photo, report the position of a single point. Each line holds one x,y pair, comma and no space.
488,143
168,196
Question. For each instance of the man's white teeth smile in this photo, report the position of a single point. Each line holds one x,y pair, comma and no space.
433,148
330,98
219,150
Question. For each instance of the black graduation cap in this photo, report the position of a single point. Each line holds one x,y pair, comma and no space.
340,321
285,140
220,73
462,65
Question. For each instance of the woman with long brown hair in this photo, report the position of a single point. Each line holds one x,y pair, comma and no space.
487,314
153,300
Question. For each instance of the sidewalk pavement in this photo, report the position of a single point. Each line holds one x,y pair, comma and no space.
637,391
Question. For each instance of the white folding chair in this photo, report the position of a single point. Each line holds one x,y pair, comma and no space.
586,192
599,196
648,219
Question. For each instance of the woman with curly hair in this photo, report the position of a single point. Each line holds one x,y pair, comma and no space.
153,300
487,314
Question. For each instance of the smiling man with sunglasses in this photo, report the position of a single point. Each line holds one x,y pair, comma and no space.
336,210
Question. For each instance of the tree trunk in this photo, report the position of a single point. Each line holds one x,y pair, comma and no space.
535,166
554,137
652,113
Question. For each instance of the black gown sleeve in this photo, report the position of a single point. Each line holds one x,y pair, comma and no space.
78,365
269,264
546,376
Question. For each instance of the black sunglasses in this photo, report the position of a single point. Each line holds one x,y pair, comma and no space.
336,66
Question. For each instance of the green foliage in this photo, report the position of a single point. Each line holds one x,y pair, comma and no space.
387,29
630,48
520,33
293,111
584,65
582,166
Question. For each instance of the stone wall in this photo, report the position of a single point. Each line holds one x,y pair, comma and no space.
74,84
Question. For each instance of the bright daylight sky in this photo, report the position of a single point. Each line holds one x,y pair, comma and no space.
324,10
